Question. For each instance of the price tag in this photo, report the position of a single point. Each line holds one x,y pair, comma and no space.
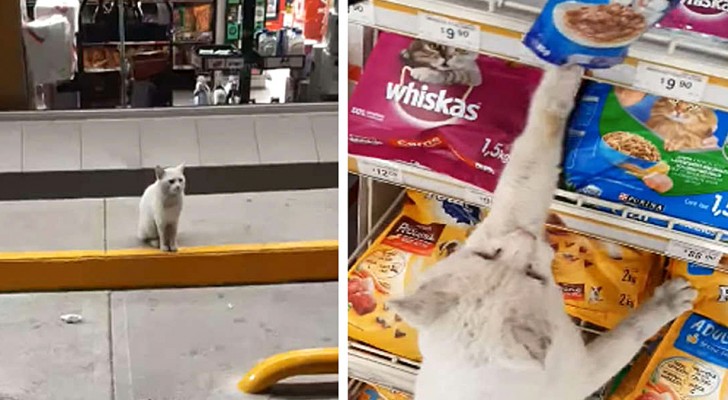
477,197
670,82
693,253
385,172
362,13
448,32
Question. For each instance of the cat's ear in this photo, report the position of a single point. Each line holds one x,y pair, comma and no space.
158,172
429,302
181,167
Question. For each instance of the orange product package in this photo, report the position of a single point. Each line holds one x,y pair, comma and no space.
428,229
375,392
712,287
691,363
601,281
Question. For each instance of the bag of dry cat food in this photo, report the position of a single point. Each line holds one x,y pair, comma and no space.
592,33
428,229
375,392
698,18
601,281
655,153
439,108
691,363
712,287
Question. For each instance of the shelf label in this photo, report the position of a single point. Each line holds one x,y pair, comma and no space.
693,253
380,170
362,13
670,82
448,32
477,197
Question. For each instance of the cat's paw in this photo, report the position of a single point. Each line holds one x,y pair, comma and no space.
676,296
422,74
561,85
168,249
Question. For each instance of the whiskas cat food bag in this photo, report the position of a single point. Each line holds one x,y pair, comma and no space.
374,392
691,363
601,281
702,17
440,108
592,33
712,287
428,229
649,152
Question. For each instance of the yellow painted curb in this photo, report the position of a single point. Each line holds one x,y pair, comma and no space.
285,365
149,268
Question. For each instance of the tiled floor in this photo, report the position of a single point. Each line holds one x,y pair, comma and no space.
98,224
192,344
144,143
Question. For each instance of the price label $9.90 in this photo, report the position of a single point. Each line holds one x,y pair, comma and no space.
448,32
362,13
670,82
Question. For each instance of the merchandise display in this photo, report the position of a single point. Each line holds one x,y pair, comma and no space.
650,152
374,392
698,17
439,108
592,33
712,287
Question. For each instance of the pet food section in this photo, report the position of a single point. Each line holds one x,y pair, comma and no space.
178,52
644,190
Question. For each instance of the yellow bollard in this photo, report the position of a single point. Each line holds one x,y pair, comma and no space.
285,365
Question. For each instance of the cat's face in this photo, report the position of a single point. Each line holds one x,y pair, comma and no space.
172,180
689,114
437,56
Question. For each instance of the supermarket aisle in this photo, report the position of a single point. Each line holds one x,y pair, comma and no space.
159,344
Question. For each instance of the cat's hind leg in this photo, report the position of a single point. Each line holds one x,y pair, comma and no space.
147,229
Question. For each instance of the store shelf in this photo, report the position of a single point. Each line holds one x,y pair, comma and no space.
502,30
371,365
100,70
591,216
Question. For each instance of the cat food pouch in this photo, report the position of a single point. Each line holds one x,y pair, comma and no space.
428,229
601,281
691,363
712,287
650,152
702,17
440,108
375,392
592,33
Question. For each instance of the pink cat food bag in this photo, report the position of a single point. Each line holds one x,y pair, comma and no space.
704,17
440,108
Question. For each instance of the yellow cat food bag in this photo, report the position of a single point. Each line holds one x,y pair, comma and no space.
428,229
691,363
712,287
601,282
375,392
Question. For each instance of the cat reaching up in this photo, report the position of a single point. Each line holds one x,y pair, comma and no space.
161,206
490,318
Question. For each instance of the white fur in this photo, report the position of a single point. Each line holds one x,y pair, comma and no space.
490,318
160,208
201,95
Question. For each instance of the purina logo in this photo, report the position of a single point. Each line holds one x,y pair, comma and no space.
438,102
644,204
706,7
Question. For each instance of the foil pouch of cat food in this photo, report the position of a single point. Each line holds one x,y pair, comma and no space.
592,33
440,108
601,282
698,17
428,229
712,287
691,363
375,392
654,153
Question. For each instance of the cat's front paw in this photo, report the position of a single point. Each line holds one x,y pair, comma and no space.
167,248
561,85
676,296
422,74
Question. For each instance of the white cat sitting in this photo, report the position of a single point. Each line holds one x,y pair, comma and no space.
161,206
490,318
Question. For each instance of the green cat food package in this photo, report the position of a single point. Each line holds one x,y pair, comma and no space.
650,152
440,108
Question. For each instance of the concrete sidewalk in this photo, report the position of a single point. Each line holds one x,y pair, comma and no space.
174,344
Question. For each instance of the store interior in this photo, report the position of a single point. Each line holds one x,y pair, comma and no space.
422,177
107,54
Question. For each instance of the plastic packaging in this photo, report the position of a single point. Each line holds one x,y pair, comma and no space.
701,17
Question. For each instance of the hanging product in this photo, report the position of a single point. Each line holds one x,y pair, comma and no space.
427,230
691,363
441,108
601,281
701,17
712,287
655,153
49,49
592,33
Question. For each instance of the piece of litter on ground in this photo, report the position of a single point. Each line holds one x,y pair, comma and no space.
230,306
71,318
